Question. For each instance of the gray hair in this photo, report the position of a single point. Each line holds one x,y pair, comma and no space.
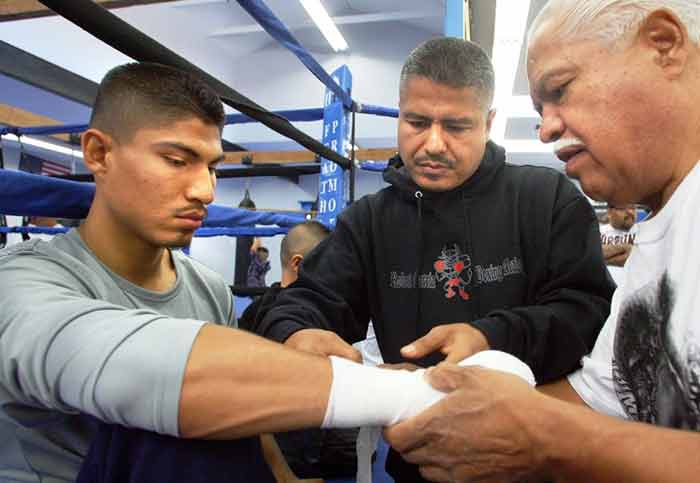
453,62
611,20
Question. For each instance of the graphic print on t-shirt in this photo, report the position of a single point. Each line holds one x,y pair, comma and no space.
654,382
454,272
617,237
453,268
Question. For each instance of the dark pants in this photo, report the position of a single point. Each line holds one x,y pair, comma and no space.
121,455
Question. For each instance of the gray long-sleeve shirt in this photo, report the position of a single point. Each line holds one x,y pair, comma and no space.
77,338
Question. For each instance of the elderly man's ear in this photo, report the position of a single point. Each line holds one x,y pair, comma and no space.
663,32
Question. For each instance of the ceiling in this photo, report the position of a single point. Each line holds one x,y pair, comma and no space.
220,37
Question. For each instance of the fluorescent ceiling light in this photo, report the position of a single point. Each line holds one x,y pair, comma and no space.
509,33
38,143
324,23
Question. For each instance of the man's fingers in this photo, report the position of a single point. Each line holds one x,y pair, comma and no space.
429,343
322,342
442,379
305,340
404,436
447,377
435,473
343,349
333,345
456,355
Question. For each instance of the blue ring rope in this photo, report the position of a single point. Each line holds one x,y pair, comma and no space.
34,195
278,31
207,232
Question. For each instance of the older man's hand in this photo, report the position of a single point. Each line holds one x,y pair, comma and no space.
478,432
456,341
323,342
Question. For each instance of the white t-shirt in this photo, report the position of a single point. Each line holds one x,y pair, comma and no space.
610,235
645,364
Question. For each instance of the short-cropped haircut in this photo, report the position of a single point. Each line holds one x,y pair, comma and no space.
301,239
452,62
138,95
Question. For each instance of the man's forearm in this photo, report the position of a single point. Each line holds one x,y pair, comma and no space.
237,384
582,446
616,254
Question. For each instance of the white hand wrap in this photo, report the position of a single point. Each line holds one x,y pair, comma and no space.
501,361
369,396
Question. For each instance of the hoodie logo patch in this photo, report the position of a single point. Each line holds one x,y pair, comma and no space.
453,269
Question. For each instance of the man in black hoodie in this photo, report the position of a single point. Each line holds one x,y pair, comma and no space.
310,453
462,253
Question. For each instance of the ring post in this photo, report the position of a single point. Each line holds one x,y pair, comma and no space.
331,181
454,18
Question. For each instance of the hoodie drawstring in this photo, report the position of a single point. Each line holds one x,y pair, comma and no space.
419,256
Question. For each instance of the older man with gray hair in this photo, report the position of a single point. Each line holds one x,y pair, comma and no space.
618,86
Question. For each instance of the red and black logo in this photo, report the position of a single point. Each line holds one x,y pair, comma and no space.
453,268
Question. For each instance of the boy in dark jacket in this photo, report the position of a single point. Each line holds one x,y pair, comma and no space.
259,265
462,253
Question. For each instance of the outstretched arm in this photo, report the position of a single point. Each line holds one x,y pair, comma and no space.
237,384
144,369
495,427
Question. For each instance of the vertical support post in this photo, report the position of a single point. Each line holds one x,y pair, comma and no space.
331,181
455,13
3,220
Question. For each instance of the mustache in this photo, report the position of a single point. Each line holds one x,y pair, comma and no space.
446,162
193,209
562,143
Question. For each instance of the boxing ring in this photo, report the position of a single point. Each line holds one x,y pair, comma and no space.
24,194
338,113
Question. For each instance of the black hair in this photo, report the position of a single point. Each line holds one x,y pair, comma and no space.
136,95
453,62
301,239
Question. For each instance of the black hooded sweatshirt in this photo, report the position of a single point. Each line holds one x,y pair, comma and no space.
514,251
